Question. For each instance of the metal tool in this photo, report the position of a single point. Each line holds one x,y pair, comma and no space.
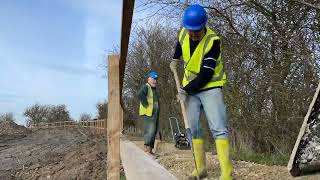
180,139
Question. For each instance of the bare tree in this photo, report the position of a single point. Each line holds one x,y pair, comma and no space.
36,114
151,49
46,113
309,4
271,51
7,117
57,113
85,117
102,108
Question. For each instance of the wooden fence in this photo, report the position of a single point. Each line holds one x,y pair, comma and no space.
98,125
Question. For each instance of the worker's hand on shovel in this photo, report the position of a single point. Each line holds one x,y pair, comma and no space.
182,95
173,64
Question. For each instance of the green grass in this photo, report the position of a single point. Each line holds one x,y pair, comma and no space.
261,158
122,177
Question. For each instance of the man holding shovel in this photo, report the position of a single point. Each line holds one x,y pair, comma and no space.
149,110
204,77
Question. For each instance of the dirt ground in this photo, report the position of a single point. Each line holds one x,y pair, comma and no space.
180,164
76,153
54,154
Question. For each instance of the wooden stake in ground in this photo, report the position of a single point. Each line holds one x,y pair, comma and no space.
114,119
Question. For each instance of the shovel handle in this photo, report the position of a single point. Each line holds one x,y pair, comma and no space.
182,103
184,114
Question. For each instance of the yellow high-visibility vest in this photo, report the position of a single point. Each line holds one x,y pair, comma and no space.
147,110
192,64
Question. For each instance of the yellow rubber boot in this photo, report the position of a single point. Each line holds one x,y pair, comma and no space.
223,151
200,157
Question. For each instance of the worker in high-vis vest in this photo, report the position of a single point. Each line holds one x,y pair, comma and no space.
149,110
203,80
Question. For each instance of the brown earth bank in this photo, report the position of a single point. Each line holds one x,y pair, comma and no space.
11,130
77,153
71,153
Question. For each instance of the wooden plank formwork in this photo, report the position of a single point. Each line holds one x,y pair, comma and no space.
314,168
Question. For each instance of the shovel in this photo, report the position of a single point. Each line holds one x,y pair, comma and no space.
184,113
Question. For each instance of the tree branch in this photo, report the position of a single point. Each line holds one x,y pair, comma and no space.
307,4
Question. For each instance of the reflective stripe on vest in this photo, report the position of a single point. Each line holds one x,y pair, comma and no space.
192,64
147,110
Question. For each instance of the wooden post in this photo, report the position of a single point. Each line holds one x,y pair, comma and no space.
114,119
98,127
121,120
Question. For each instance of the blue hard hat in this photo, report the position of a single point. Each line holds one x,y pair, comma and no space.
153,75
195,17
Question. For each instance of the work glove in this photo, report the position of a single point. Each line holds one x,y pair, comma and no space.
182,95
173,64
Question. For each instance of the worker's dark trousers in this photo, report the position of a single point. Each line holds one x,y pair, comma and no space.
151,125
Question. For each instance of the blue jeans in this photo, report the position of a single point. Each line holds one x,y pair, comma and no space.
211,102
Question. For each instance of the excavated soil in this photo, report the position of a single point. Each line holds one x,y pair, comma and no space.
10,130
54,154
